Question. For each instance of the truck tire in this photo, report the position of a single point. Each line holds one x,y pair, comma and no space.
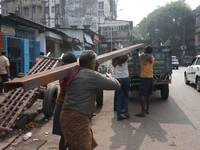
99,98
50,99
164,91
198,84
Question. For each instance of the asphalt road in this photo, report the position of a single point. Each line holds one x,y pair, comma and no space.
173,124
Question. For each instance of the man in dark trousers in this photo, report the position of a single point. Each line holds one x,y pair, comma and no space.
120,71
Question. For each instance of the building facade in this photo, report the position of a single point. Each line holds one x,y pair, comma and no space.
79,13
107,9
197,31
23,40
115,33
99,16
30,9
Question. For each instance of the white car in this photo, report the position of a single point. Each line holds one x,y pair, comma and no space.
192,73
175,63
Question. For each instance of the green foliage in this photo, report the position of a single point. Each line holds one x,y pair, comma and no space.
166,22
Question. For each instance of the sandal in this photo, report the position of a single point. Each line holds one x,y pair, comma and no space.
146,111
120,118
140,115
127,115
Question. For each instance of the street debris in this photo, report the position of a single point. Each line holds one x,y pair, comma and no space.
27,136
31,125
46,133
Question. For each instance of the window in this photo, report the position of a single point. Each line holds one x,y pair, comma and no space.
46,10
115,28
100,12
4,11
101,5
198,21
34,9
40,9
193,61
26,11
4,5
198,61
52,9
198,39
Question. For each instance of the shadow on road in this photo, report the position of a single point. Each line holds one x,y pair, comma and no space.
131,133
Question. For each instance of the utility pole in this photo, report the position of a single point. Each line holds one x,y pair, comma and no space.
183,40
111,39
20,9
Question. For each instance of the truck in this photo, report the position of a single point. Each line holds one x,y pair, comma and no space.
162,70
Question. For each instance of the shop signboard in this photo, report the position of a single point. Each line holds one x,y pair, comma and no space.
7,30
96,39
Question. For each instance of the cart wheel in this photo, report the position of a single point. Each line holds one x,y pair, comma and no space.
99,98
50,100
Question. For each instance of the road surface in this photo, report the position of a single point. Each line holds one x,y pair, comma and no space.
173,124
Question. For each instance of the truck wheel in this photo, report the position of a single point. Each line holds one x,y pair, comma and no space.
50,99
198,84
99,98
186,80
164,91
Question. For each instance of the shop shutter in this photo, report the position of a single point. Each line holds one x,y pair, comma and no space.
37,49
25,55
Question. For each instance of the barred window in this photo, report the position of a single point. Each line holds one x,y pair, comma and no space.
101,5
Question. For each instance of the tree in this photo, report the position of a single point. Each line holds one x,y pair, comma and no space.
167,22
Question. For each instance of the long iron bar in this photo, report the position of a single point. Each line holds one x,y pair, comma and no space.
48,76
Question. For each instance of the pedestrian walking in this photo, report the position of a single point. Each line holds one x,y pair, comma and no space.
146,76
68,58
120,71
4,70
79,102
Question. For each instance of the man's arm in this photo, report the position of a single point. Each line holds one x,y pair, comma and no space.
8,70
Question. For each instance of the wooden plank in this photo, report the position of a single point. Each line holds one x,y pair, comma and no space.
34,145
6,143
45,77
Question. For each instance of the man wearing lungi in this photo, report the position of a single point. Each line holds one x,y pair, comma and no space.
79,102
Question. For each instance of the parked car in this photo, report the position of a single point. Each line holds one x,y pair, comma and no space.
192,73
175,63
